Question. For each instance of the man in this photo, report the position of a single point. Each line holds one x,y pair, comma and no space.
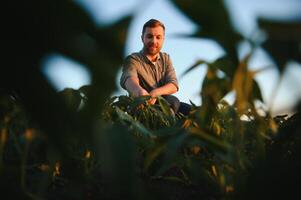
150,72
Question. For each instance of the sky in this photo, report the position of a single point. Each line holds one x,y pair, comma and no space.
63,72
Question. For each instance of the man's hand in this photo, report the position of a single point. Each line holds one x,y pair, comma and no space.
137,92
166,89
154,94
133,87
152,101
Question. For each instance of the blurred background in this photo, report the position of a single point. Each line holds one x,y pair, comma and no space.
184,51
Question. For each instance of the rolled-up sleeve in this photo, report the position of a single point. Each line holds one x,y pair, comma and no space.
170,74
128,70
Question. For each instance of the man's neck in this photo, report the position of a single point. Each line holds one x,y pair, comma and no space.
152,58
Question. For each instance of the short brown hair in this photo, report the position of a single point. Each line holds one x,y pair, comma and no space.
152,23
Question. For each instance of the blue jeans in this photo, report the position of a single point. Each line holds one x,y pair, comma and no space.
176,105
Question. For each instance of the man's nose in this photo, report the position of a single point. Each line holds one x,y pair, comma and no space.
153,40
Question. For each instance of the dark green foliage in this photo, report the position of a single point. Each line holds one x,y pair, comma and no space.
213,18
283,42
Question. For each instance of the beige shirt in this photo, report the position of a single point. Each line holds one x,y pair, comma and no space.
150,75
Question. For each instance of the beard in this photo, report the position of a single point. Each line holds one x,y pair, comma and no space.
151,49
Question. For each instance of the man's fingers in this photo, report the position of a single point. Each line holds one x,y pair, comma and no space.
144,93
152,101
141,106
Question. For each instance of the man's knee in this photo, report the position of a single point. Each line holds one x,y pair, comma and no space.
184,108
173,101
178,106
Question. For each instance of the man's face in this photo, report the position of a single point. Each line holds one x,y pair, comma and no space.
153,39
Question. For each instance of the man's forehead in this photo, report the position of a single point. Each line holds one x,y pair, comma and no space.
158,30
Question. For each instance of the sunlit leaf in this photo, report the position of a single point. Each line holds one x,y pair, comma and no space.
243,86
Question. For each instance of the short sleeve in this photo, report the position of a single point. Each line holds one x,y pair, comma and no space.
170,74
128,70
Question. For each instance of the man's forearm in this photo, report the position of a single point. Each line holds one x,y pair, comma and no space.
133,87
131,84
166,89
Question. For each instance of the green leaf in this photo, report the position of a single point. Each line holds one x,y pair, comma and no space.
242,84
116,153
165,106
85,89
214,22
256,91
171,155
225,65
283,40
138,101
136,124
72,98
213,142
174,179
214,88
166,132
123,102
153,154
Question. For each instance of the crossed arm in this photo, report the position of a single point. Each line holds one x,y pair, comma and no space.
133,87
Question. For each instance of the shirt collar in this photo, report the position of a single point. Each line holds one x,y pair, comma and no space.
158,57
